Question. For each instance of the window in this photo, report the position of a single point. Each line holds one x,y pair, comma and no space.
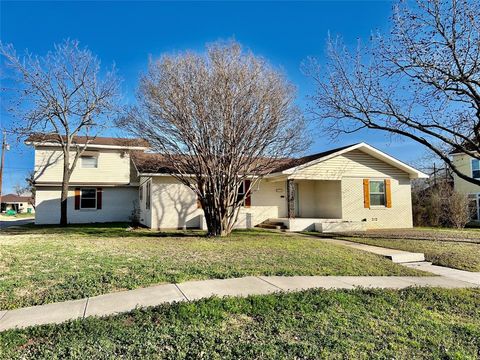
241,192
147,197
88,198
140,193
473,206
377,193
89,162
476,169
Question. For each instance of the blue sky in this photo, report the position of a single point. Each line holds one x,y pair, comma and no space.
127,33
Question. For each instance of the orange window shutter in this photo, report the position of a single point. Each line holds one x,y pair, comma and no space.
388,193
77,198
366,193
248,199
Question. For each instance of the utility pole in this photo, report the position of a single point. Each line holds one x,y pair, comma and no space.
2,161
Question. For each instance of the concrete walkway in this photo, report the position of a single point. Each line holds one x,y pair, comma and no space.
397,256
123,301
411,260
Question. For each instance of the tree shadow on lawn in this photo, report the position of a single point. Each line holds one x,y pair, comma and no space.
118,230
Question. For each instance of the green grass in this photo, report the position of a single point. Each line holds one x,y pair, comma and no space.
40,265
415,323
458,255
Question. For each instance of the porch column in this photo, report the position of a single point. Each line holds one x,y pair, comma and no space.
290,199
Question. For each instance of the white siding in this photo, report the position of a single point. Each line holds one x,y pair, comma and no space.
175,206
117,205
464,164
354,163
113,167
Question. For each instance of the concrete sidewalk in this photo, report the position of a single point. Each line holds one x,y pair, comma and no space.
123,301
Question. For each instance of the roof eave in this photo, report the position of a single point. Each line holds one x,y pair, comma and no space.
97,146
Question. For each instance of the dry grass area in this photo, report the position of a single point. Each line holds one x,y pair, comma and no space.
46,264
424,233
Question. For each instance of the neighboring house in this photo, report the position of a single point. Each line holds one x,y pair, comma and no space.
103,185
19,204
350,188
471,167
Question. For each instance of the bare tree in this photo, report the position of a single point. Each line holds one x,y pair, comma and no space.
218,118
19,189
61,96
421,81
458,212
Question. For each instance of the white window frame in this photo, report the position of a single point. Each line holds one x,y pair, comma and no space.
471,163
384,193
82,158
475,197
242,193
81,197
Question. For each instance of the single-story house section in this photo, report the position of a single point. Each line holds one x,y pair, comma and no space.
19,204
354,187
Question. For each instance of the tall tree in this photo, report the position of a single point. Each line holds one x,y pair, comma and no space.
219,118
61,95
421,81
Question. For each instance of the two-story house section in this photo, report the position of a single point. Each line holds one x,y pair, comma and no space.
103,185
470,166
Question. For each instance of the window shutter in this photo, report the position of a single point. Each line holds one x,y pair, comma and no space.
388,193
77,198
99,198
248,199
199,203
366,193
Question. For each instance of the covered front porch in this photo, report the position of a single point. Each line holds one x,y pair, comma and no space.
314,205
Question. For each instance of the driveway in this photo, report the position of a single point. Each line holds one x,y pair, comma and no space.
15,222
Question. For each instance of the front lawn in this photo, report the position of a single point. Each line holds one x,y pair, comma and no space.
415,323
39,265
423,233
458,255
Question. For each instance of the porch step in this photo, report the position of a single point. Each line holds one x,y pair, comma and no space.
273,225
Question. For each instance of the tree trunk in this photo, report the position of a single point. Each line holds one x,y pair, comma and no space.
64,194
216,221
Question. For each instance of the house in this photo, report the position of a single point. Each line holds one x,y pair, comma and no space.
353,187
103,185
19,204
471,167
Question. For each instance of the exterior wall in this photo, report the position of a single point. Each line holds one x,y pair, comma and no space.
356,163
113,167
173,205
319,199
117,205
398,216
464,164
268,200
328,195
145,214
